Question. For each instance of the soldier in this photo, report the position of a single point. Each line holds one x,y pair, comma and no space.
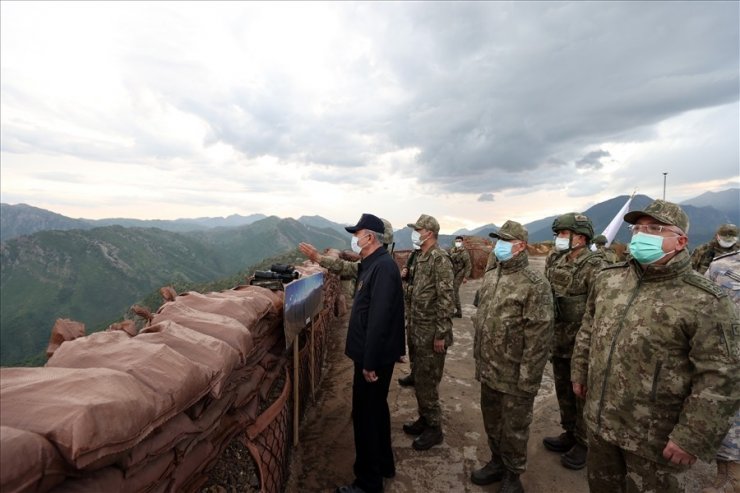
656,360
607,253
725,271
461,268
724,241
430,319
513,332
570,269
407,276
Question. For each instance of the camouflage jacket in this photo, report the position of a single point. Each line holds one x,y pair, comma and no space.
608,255
432,302
461,265
513,327
658,351
408,282
725,271
345,269
570,281
704,254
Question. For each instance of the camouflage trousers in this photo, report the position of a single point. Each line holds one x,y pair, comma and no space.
614,470
571,407
506,419
730,449
412,347
456,283
428,367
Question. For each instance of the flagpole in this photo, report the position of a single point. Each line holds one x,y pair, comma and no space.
665,174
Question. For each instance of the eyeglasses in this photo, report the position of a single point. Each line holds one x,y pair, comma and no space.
653,229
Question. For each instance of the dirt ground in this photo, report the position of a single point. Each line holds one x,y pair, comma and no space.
323,460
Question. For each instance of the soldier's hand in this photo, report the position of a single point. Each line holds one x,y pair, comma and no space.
677,455
439,345
579,390
309,251
404,272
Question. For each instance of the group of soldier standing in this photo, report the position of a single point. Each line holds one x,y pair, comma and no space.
644,352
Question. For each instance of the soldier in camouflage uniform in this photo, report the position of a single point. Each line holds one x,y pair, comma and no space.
607,253
570,269
430,320
725,271
407,276
724,241
656,359
513,332
461,267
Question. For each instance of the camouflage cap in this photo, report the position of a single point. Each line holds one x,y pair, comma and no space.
425,222
727,231
387,232
665,212
511,230
600,240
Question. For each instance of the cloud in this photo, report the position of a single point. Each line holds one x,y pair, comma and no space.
592,160
485,197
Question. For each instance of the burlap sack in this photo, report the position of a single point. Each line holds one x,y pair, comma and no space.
28,462
64,330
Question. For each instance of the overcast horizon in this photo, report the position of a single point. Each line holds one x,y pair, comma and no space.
472,112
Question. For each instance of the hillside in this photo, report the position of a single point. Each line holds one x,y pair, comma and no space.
94,276
726,201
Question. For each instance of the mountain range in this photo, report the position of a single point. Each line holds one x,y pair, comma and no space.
54,266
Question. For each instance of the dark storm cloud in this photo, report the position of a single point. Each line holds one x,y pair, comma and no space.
485,197
592,160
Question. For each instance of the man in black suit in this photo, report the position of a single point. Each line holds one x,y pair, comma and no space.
375,341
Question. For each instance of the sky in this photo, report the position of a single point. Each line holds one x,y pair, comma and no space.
472,112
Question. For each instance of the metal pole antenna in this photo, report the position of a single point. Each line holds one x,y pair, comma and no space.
664,178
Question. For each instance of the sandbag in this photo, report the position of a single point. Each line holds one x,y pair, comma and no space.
28,462
64,330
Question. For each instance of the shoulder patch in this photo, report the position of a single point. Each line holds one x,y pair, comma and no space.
704,284
533,276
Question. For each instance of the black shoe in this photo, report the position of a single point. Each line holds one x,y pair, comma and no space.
430,437
350,488
458,315
561,443
511,484
575,458
389,474
416,427
490,473
407,381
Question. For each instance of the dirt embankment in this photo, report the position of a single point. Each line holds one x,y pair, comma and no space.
324,458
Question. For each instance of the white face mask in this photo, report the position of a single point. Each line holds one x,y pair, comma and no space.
356,244
417,247
726,244
416,238
562,244
458,244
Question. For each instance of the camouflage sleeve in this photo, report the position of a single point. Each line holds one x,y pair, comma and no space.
582,347
538,330
343,268
595,264
697,256
445,297
468,264
715,388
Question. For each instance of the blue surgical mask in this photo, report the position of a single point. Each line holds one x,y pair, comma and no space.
502,250
647,248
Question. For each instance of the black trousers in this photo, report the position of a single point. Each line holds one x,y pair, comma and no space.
371,421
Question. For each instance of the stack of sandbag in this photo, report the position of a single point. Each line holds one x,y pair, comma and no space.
479,250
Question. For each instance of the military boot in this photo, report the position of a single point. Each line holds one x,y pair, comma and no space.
561,443
728,478
430,437
415,427
511,484
575,458
490,473
407,381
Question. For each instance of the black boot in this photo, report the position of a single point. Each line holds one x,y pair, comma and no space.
511,484
561,443
575,458
407,381
458,314
415,427
490,473
430,437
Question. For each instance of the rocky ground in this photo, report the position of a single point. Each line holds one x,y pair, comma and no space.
324,458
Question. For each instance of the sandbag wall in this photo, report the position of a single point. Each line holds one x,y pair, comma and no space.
152,410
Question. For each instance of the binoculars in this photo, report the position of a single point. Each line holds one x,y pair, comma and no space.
281,272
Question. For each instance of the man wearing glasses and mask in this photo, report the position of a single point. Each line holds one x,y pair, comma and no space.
656,359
